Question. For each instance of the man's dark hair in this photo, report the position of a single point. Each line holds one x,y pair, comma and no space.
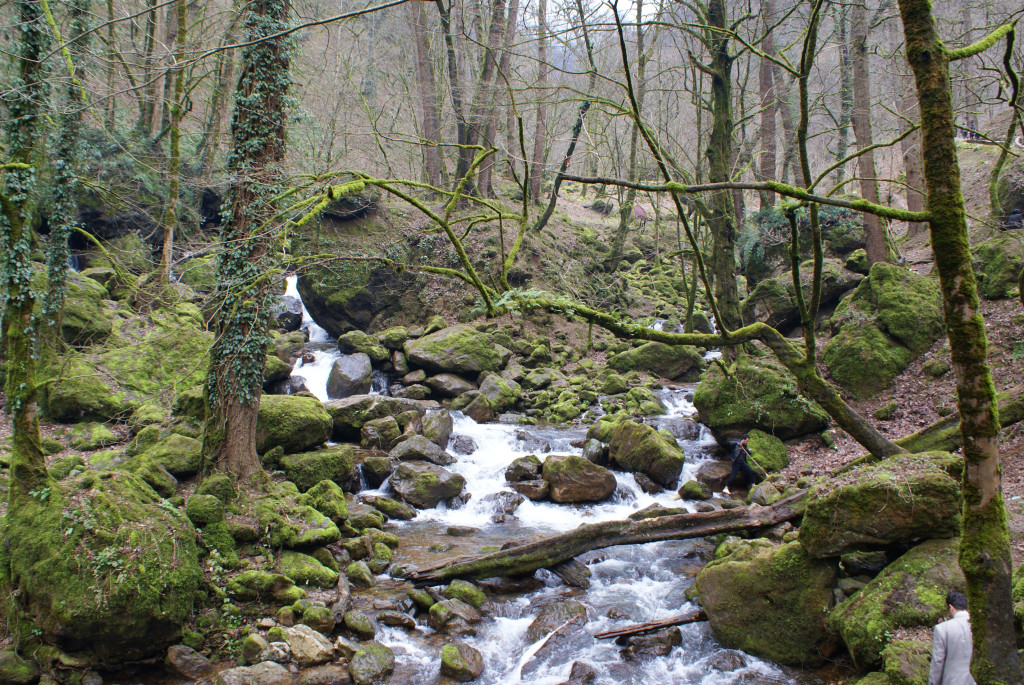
957,600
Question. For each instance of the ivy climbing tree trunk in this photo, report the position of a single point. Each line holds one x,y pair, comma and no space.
245,275
24,129
985,541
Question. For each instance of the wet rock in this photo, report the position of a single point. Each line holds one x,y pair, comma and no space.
327,674
458,349
309,647
574,479
412,392
727,660
419,448
278,652
288,313
372,663
376,470
351,374
504,503
863,563
705,507
362,516
425,485
644,482
532,489
253,585
189,663
667,361
320,619
764,494
477,407
449,385
380,434
581,674
350,413
656,510
336,464
529,442
399,363
681,427
453,617
500,393
463,444
346,648
359,573
461,662
460,531
360,624
397,619
291,422
694,490
714,474
437,427
414,377
554,615
640,448
595,451
523,469
265,673
511,586
391,508
652,644
465,591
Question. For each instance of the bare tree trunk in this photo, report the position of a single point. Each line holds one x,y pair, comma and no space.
910,147
109,117
174,163
789,119
485,111
511,124
766,85
431,109
245,281
149,79
985,540
206,149
541,134
845,91
874,229
462,127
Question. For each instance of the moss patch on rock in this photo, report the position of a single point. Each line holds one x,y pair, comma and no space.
292,422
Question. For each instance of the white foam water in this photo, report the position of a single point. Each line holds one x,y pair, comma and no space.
315,332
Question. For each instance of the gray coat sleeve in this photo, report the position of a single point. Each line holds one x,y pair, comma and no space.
938,655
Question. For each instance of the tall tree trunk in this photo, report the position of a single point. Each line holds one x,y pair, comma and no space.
789,118
845,92
23,128
246,283
910,147
149,80
874,228
431,109
985,541
511,124
722,221
174,163
462,127
540,136
109,118
766,85
206,149
485,111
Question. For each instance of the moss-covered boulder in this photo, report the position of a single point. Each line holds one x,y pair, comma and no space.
305,570
16,670
890,320
997,263
328,498
63,555
501,393
767,452
773,301
898,500
667,361
92,436
146,358
289,524
249,586
371,664
306,469
1017,595
425,485
639,448
179,454
574,479
458,349
770,600
85,319
910,592
461,662
350,414
907,662
152,473
292,422
757,393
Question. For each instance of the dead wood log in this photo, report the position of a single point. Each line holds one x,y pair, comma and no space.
555,549
640,628
573,573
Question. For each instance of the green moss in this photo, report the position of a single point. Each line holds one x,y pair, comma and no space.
203,509
179,454
217,536
219,485
305,570
85,319
253,585
92,436
458,349
667,361
767,451
292,422
910,592
64,555
327,498
154,475
331,464
758,393
466,591
291,525
998,263
906,662
358,341
640,448
887,411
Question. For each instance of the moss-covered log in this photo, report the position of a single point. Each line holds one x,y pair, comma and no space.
555,549
985,543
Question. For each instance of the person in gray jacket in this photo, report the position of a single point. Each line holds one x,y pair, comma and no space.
951,646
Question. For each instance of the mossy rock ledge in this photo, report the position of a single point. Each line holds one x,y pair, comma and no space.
667,361
772,300
891,319
770,600
758,393
457,349
910,592
639,448
292,422
63,556
998,262
899,500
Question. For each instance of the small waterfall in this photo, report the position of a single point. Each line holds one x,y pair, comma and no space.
379,384
74,262
315,332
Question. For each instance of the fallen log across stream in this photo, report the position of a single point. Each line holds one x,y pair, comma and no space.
641,628
554,549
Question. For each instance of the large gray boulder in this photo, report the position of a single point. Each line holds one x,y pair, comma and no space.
425,485
419,448
352,374
349,414
458,349
575,479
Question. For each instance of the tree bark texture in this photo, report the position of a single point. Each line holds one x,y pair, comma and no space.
431,108
910,147
766,86
540,135
985,542
845,91
245,282
874,229
483,117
